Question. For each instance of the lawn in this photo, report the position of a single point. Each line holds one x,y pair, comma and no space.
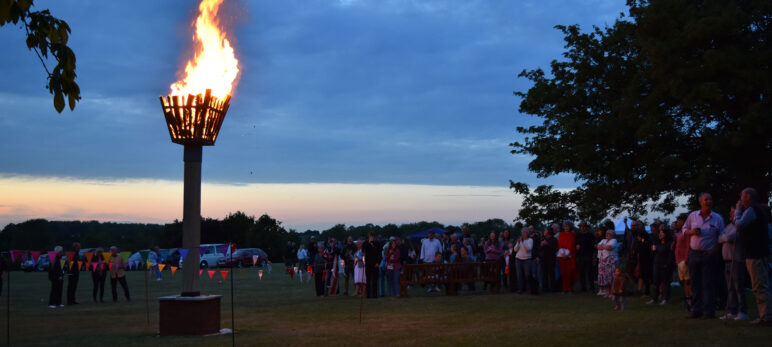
277,311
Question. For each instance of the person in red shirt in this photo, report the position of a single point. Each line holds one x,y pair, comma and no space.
567,256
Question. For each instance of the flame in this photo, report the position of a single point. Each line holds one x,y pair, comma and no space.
214,65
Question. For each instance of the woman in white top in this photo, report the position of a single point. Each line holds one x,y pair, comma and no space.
523,260
607,261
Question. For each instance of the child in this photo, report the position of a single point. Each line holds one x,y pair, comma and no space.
436,274
618,289
359,269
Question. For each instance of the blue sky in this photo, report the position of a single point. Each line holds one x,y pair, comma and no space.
365,92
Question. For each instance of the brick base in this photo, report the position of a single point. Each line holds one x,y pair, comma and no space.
189,315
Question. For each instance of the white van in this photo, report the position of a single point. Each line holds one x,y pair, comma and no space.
210,255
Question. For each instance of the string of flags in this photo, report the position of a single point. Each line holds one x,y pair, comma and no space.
91,264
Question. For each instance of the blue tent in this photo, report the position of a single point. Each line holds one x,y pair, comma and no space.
422,234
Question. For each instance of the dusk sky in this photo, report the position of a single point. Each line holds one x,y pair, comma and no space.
345,111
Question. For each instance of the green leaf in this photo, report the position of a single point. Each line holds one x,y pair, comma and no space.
59,102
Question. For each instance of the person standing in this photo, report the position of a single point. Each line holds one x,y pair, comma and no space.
318,267
548,259
607,262
682,258
492,249
359,269
348,262
523,261
56,276
585,249
734,272
567,256
751,221
99,274
429,247
372,250
704,226
393,267
663,266
74,275
118,274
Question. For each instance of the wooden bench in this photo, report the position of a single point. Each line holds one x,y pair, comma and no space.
452,276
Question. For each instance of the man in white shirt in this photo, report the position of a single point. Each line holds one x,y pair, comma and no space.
429,247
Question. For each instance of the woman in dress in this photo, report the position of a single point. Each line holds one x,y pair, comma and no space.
607,258
359,269
567,256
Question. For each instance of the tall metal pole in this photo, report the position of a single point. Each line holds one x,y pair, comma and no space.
191,220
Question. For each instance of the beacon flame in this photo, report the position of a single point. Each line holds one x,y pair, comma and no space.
214,65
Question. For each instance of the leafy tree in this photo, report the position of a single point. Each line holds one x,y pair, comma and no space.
46,34
668,102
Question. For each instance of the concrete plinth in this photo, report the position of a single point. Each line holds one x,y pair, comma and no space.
189,315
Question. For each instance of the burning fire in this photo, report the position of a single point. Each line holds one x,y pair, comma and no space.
214,65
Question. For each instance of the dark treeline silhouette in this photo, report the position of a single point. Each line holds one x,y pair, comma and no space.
246,231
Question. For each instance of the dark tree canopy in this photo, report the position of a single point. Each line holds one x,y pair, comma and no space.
46,35
672,100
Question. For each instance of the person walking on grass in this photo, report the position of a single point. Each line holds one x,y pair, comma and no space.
56,276
704,226
607,258
118,274
751,219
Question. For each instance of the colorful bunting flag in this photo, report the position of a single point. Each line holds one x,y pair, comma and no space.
71,262
174,269
51,256
70,255
224,274
183,253
161,267
200,272
17,254
35,256
125,255
89,256
106,256
80,264
61,263
110,265
222,249
94,267
211,273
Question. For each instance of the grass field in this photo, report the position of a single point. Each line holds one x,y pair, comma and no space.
277,311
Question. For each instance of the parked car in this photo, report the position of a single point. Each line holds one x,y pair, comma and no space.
28,265
242,257
210,256
43,263
170,256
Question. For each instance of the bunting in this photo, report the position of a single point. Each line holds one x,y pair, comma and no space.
94,267
125,255
51,256
161,267
201,249
70,255
17,254
211,273
183,253
110,265
174,269
80,264
61,263
89,256
222,249
35,256
106,255
224,274
200,272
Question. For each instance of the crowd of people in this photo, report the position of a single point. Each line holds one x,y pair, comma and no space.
711,257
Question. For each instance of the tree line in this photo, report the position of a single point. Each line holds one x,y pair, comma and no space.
246,231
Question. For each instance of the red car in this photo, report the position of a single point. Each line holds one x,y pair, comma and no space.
243,257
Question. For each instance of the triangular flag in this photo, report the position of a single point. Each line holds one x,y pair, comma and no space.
70,255
94,267
200,272
211,273
80,264
125,255
150,263
89,256
51,256
222,248
183,253
71,262
88,265
224,274
144,254
35,256
61,263
174,269
110,265
13,255
161,267
106,256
